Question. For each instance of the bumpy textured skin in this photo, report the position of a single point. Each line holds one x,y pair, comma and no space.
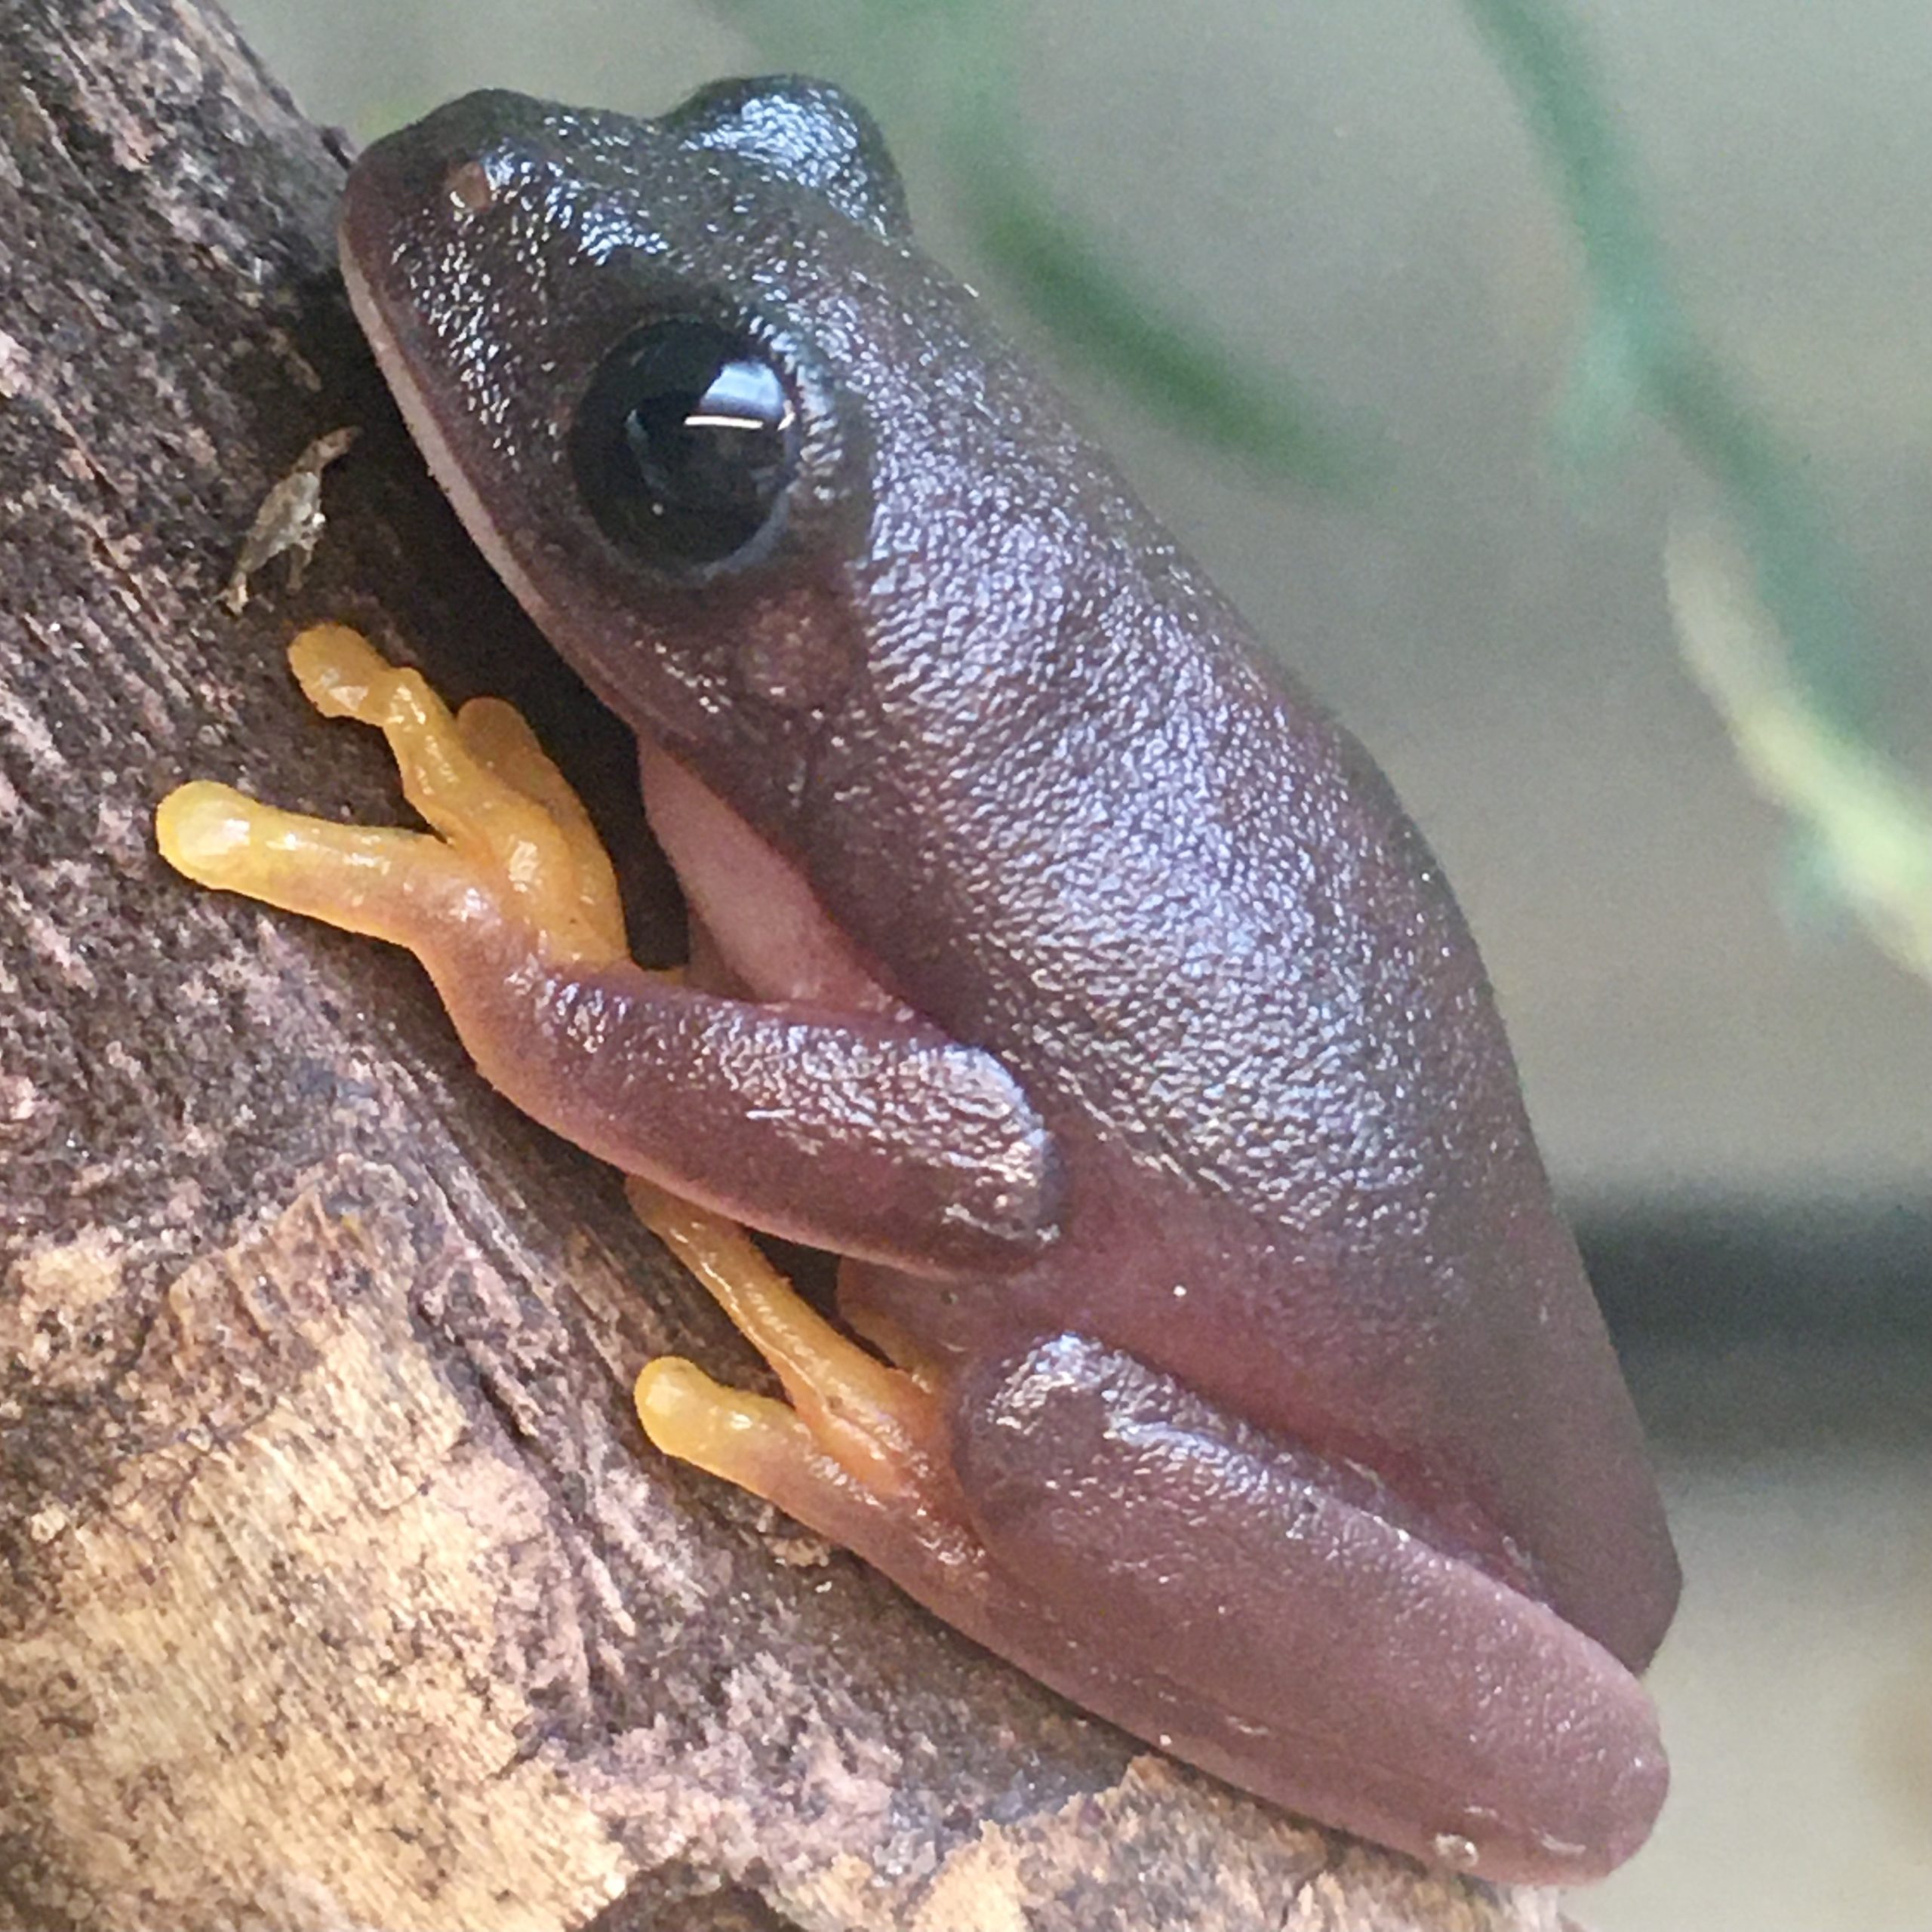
1039,775
872,1136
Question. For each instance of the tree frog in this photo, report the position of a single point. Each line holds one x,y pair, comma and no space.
1056,963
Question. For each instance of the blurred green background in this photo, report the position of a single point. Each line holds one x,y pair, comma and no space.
1315,273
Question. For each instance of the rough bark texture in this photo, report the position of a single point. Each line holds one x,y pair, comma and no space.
338,1586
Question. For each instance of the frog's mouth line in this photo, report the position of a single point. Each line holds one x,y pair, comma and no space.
758,930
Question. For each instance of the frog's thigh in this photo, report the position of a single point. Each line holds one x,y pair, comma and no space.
1207,1588
864,1134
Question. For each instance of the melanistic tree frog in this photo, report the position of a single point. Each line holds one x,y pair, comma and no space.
1055,961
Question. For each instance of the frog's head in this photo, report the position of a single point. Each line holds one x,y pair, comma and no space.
688,384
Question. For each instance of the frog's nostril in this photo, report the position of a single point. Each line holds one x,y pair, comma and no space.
458,156
468,187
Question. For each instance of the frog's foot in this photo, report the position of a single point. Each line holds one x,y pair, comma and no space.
512,845
859,1451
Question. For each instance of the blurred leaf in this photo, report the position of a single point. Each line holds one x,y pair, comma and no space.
1641,354
1180,376
1604,399
941,71
1867,823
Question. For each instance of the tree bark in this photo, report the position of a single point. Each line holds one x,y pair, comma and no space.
338,1587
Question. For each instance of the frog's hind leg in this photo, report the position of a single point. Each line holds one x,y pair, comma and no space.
1286,1621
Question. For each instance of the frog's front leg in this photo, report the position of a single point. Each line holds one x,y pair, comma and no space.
860,1133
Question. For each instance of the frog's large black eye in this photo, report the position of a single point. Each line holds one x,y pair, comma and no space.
684,443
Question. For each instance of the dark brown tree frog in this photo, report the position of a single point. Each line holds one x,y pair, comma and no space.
1055,962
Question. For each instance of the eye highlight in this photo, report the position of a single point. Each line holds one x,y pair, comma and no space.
685,443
